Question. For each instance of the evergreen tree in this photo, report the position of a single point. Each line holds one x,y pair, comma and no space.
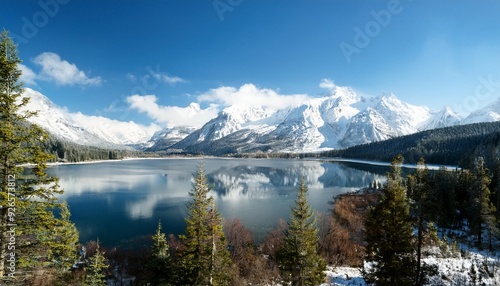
423,209
299,261
465,179
205,259
65,240
482,211
28,192
97,265
443,187
389,249
159,264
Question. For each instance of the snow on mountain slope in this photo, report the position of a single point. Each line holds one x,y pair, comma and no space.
489,113
443,118
367,126
403,117
83,129
167,137
340,120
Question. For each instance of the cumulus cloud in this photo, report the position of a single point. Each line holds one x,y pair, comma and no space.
217,99
27,75
250,95
192,114
53,68
327,83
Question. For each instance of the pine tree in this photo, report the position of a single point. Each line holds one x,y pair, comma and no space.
65,240
423,209
443,187
159,264
299,261
28,192
481,209
205,259
97,265
389,249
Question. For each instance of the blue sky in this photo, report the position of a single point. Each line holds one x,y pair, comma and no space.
155,61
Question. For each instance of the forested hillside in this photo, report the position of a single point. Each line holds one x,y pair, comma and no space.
65,151
445,146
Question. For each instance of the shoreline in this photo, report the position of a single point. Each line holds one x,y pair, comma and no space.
326,159
380,163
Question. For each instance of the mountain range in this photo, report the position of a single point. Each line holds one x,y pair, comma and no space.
339,120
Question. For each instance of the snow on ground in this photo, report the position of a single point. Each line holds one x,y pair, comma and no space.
344,276
465,268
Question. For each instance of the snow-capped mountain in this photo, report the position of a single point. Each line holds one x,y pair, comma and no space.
340,120
443,118
167,137
83,129
489,113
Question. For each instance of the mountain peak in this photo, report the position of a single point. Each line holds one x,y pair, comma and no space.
83,129
488,113
339,120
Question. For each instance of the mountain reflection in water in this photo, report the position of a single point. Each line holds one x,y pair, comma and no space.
122,200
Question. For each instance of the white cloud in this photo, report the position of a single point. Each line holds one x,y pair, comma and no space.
328,84
120,132
191,115
27,75
250,95
62,72
164,78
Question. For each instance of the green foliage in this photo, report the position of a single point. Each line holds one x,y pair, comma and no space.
299,261
443,184
423,209
160,263
481,209
28,191
447,146
64,240
205,259
389,235
96,268
64,151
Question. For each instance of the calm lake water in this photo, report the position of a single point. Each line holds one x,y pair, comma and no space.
120,201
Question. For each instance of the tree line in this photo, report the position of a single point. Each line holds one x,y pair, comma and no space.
455,145
68,152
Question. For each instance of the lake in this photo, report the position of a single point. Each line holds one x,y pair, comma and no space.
120,201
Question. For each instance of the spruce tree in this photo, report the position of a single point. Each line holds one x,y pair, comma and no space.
27,195
423,209
159,264
65,240
481,209
390,250
96,268
299,261
205,259
444,191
